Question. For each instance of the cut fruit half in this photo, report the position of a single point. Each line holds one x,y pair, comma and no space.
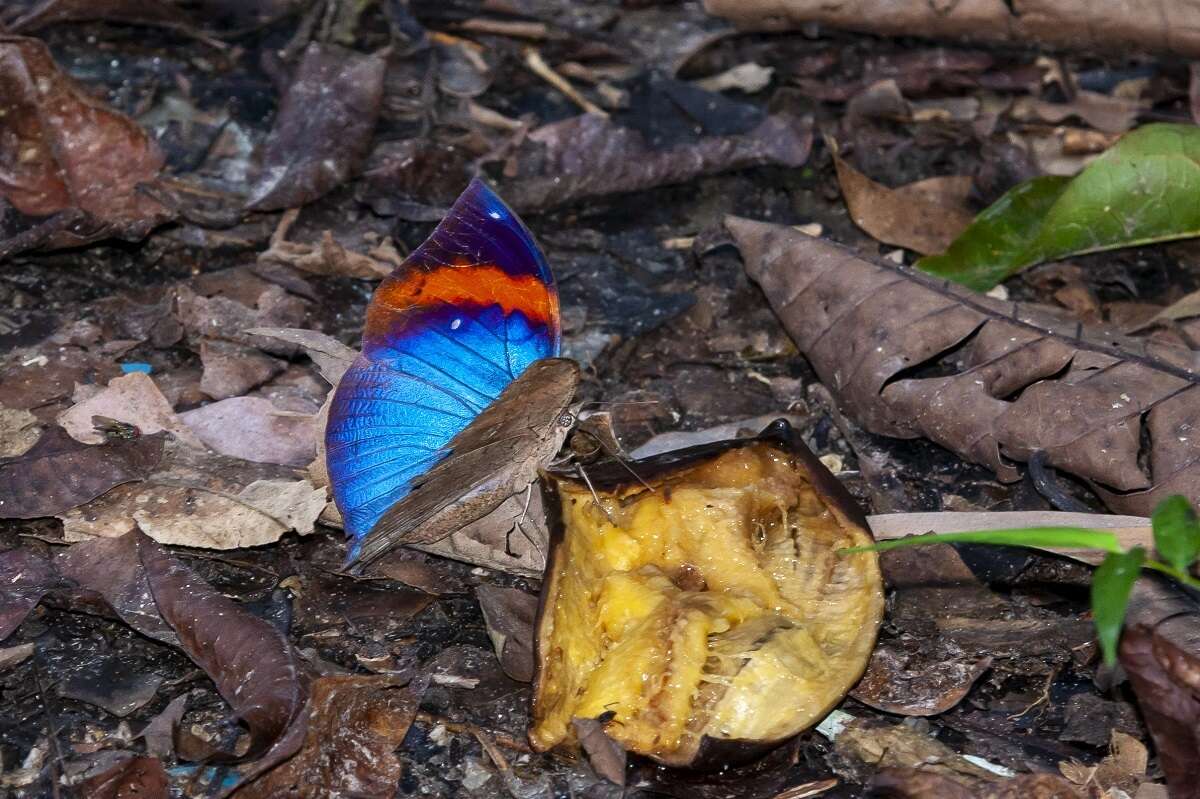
708,616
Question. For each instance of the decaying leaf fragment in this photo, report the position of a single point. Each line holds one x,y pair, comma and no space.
355,725
67,153
1013,381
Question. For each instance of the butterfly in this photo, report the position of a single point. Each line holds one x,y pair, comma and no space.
441,418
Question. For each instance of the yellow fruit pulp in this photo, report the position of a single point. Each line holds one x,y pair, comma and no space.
715,606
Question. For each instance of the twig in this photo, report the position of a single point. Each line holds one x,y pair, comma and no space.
538,66
51,731
463,728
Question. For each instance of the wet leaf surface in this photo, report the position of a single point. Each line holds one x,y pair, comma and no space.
132,778
510,615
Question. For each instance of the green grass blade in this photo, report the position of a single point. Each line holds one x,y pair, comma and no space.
1039,537
1111,586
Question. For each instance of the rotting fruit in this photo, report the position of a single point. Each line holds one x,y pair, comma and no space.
705,616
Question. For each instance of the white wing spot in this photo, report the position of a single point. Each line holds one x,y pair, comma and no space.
494,214
456,324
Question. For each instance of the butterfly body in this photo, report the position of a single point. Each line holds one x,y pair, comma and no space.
456,324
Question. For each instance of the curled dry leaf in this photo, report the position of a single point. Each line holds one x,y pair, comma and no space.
1075,24
331,356
323,130
1019,382
925,216
59,473
897,681
67,153
253,429
1165,675
134,399
510,614
251,663
607,757
591,156
355,726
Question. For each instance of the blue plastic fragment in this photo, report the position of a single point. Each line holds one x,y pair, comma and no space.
130,368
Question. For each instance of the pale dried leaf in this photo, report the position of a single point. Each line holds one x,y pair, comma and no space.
133,399
253,429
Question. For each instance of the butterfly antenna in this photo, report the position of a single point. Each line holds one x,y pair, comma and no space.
595,496
627,467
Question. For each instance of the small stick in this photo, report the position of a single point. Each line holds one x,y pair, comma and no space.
539,67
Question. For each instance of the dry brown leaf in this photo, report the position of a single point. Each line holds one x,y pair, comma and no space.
253,429
141,777
1183,308
231,370
133,399
1124,768
1075,24
323,129
510,614
882,745
1018,381
607,757
355,726
591,156
66,152
1163,664
329,257
59,473
203,500
925,216
1102,112
331,356
899,681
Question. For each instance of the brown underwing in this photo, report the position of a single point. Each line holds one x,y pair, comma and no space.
493,458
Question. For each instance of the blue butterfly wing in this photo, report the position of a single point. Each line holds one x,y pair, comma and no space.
446,332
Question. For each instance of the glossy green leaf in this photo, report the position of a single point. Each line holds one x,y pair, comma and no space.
1176,532
1144,189
1042,537
1111,586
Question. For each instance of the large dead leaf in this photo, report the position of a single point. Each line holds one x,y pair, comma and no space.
251,663
591,156
1165,675
67,153
1076,24
355,726
910,356
510,614
59,473
199,499
323,130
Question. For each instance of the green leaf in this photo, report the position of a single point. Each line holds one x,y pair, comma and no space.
1041,537
1111,585
1142,190
1176,532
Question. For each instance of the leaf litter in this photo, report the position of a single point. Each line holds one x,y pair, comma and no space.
193,306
